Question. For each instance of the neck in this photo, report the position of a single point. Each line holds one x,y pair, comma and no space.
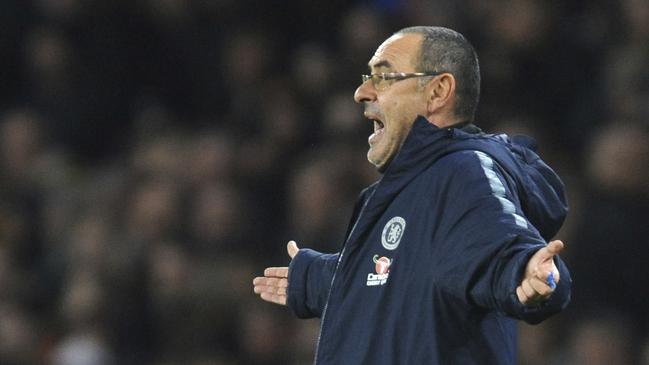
444,121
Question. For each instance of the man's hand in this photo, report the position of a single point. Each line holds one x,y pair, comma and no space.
272,286
541,275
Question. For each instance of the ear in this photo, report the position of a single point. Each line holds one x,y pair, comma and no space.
441,94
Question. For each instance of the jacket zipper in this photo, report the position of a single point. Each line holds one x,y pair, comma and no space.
333,278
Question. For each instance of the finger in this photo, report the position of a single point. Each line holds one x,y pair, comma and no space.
265,289
278,272
259,289
274,298
527,288
277,282
267,281
540,287
292,248
521,295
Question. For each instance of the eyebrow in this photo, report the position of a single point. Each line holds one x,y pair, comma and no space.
383,63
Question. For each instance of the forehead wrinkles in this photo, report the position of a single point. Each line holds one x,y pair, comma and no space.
401,51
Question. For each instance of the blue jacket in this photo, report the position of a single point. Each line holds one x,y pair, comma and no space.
433,255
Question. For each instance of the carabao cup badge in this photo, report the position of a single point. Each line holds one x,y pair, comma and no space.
382,268
392,233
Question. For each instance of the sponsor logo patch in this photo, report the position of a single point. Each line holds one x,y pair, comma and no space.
382,268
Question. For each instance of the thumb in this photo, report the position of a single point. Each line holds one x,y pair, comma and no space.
292,248
549,251
555,247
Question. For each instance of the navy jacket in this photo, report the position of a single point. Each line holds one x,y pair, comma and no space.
433,255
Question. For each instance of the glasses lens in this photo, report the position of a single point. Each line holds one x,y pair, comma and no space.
378,81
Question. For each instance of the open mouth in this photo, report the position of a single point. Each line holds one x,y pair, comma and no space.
379,127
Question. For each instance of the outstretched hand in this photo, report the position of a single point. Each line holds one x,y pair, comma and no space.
541,275
272,286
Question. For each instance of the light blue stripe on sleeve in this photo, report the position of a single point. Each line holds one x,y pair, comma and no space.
498,189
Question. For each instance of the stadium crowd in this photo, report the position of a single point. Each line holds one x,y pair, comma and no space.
156,155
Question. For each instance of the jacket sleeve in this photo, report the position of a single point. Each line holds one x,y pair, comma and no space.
487,241
309,280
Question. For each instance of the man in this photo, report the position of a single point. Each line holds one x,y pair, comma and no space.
447,249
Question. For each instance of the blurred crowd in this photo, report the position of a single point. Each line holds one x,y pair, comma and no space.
156,155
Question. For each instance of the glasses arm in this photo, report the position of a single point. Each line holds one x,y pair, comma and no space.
399,75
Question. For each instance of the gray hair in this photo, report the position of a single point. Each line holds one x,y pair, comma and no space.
445,50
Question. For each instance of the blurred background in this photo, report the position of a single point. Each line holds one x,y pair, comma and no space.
155,156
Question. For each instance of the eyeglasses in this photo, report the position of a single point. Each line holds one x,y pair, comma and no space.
382,80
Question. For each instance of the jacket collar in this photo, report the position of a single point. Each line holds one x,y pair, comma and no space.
423,146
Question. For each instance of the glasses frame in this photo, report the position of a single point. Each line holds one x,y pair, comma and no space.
395,76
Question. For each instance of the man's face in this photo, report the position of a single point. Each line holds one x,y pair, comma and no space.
392,105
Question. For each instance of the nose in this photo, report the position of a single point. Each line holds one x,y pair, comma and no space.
365,92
